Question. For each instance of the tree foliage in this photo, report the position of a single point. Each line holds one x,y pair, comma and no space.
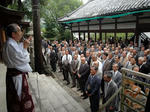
50,12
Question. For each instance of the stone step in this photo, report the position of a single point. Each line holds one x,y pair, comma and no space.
2,88
51,96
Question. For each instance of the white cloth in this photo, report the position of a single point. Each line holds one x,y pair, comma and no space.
15,56
18,84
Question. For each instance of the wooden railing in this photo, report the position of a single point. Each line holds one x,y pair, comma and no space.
124,87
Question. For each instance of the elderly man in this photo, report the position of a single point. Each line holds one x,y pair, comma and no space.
99,71
110,89
123,59
17,60
117,76
92,89
74,70
88,57
83,75
105,67
66,60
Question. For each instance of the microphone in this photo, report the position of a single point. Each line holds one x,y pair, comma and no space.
23,39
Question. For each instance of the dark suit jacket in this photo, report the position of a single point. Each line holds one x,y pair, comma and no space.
82,52
112,88
111,61
84,70
93,85
88,59
147,109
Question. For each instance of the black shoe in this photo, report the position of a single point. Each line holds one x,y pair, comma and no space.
73,86
79,90
85,97
68,83
82,95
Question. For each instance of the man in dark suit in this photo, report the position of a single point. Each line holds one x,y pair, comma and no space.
92,89
88,57
59,54
110,88
74,70
147,109
53,60
84,72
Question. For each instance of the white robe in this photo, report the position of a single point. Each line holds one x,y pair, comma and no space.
15,56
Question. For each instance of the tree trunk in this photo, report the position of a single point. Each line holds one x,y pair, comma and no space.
20,5
39,67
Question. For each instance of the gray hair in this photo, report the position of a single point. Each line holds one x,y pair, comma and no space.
141,58
11,28
95,68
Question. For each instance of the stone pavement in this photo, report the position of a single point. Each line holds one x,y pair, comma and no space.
2,88
72,91
49,96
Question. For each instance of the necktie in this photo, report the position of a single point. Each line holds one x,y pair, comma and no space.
66,57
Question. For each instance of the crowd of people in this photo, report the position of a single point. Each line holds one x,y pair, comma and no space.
95,69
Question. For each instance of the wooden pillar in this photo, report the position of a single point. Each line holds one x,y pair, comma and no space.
95,36
115,33
84,36
100,28
105,37
126,37
88,28
79,30
37,37
137,33
71,32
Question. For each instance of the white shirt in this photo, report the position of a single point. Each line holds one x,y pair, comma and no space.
69,58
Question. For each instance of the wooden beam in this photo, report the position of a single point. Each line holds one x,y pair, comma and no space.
126,37
105,38
95,36
137,31
71,32
84,36
109,30
115,33
100,30
133,21
145,27
88,30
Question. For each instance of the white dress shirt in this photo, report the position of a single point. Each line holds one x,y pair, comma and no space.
69,58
